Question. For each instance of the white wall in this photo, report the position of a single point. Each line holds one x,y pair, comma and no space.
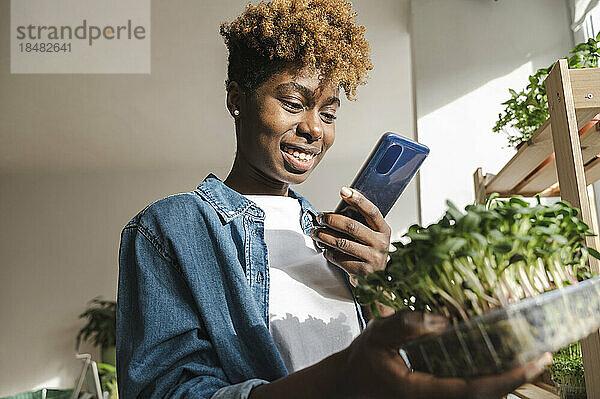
467,54
81,154
59,237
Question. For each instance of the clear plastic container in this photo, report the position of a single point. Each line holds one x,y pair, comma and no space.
510,336
571,392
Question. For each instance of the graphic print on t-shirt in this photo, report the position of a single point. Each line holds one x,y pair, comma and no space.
311,309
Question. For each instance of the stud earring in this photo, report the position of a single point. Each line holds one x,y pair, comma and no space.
236,112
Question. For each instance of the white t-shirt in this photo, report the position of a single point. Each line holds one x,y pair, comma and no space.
311,311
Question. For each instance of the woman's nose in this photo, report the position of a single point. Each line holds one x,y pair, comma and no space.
311,126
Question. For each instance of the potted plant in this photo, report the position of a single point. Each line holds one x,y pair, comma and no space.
108,377
101,328
527,110
484,269
567,372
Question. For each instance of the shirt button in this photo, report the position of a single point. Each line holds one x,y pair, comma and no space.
260,277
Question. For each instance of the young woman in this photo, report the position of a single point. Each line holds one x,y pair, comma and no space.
222,290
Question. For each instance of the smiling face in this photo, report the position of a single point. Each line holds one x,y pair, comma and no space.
286,126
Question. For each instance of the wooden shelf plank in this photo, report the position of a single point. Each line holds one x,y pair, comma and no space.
571,175
530,391
537,183
531,155
527,158
592,171
584,82
547,176
479,182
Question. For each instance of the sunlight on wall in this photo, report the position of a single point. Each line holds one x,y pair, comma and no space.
52,382
460,137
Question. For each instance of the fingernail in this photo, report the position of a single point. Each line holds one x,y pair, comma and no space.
320,217
434,323
346,192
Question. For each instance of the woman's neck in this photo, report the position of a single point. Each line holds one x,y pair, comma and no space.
246,179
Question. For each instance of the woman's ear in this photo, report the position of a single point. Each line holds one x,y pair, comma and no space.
235,99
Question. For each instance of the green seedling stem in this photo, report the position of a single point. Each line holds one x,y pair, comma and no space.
484,257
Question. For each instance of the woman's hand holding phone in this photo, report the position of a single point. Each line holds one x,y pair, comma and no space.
357,248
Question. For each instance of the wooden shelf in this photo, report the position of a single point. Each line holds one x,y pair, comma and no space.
532,170
561,159
536,391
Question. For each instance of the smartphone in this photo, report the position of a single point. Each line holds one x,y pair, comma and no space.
386,173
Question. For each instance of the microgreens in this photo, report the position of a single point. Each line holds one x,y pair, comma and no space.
567,366
486,257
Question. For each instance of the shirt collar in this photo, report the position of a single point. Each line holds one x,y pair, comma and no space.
230,204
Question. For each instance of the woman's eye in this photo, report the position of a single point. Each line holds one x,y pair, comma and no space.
328,117
292,105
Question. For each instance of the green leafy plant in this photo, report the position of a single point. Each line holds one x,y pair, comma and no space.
568,373
486,257
567,366
482,268
101,327
527,109
108,377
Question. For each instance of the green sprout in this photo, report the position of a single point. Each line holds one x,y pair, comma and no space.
486,257
567,366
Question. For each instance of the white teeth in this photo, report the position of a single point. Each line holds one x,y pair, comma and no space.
302,156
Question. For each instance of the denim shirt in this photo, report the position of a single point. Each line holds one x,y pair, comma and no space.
193,295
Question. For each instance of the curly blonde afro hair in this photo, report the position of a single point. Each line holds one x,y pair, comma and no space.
321,35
